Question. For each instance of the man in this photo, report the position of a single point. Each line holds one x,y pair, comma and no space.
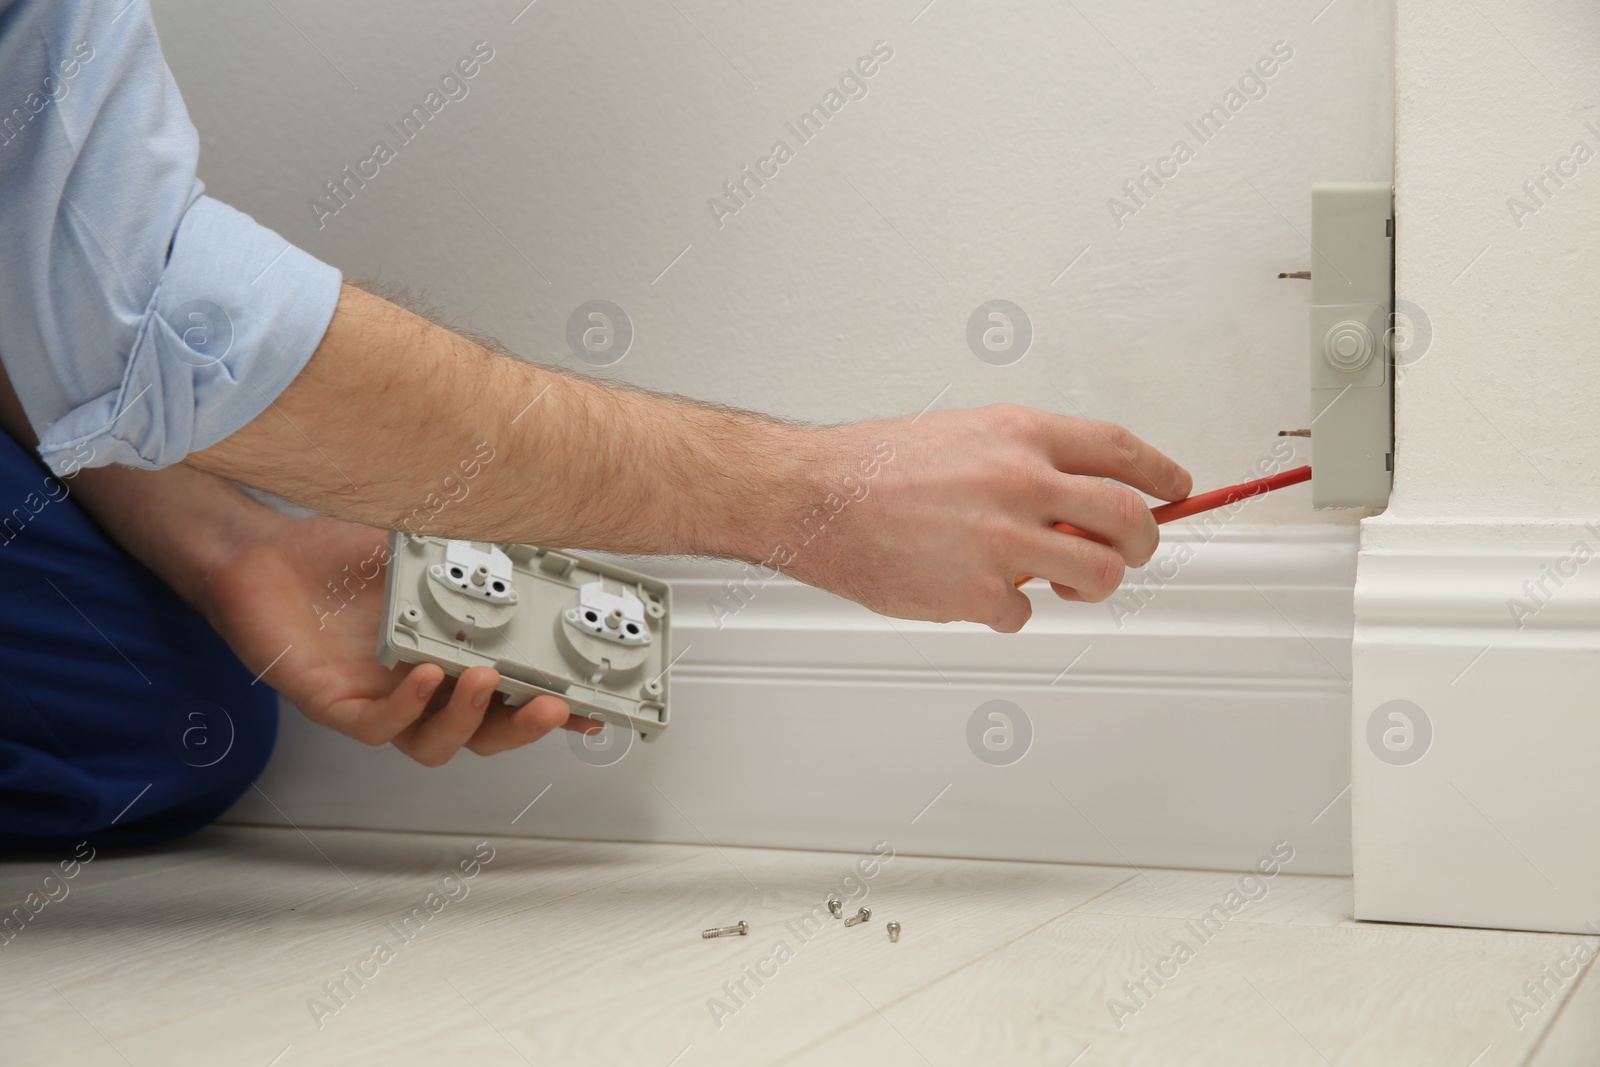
158,346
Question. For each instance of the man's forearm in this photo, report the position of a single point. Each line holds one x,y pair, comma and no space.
398,422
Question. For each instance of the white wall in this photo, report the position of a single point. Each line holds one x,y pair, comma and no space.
1497,420
991,144
1478,598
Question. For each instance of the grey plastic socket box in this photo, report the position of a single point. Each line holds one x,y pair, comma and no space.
593,633
1352,373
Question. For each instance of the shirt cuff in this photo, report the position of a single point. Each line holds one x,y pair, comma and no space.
237,313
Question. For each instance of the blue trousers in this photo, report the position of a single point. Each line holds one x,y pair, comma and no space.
124,719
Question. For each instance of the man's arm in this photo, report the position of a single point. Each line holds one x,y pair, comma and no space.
259,578
175,328
391,405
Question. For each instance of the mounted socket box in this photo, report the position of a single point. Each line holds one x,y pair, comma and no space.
1352,372
595,634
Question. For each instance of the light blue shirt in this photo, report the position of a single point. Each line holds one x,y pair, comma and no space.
140,320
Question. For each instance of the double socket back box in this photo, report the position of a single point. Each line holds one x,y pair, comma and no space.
595,634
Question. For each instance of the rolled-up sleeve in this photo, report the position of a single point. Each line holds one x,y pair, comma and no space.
140,320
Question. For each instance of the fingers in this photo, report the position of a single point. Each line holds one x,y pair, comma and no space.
1089,570
433,740
1106,450
467,715
506,728
377,722
1115,514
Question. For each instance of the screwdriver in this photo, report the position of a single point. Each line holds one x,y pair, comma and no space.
1194,505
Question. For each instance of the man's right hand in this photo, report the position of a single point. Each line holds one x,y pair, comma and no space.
934,517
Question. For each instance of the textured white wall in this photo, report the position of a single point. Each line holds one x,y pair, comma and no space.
1496,421
978,166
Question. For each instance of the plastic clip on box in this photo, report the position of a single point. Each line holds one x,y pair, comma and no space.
595,634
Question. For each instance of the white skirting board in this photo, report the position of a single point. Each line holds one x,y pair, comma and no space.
1195,730
1484,809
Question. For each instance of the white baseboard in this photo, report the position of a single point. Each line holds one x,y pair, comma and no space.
1192,732
1498,822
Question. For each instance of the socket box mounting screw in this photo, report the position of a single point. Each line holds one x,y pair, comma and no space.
742,929
835,906
894,931
859,917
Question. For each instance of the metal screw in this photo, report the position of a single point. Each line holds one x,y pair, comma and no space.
894,931
724,931
835,906
859,917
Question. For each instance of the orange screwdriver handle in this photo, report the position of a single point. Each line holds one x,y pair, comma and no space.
1194,505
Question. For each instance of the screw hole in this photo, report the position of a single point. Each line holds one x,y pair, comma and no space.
590,616
457,572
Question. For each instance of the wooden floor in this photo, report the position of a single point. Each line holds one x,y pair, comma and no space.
260,947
